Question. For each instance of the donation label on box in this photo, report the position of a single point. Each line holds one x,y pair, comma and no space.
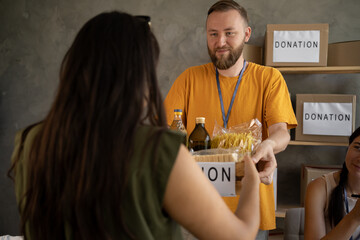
221,175
334,119
296,46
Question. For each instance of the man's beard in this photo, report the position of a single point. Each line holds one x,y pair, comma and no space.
226,62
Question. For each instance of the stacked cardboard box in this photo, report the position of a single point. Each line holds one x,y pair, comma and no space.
296,44
326,118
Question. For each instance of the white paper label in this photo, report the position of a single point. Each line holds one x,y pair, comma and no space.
333,119
222,175
296,46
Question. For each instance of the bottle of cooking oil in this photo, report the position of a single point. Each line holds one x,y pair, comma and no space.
178,125
199,138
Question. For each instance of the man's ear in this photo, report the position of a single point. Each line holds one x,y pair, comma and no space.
247,33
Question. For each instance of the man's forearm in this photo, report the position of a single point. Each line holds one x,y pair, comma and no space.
278,137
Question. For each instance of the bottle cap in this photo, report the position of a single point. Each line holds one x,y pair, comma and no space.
178,111
200,120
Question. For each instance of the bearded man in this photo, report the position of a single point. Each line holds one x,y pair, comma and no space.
231,91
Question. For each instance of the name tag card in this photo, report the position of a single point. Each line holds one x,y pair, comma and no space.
334,119
222,175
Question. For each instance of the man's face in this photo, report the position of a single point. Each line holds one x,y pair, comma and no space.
226,36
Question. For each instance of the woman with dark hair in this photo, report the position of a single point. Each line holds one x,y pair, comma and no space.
332,209
103,165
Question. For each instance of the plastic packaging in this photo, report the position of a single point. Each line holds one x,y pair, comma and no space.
242,138
231,145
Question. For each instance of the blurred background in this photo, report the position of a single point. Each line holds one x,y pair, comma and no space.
35,34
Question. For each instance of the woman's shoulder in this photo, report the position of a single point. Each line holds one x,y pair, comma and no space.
320,185
335,176
331,179
158,144
316,193
161,136
25,136
317,184
317,188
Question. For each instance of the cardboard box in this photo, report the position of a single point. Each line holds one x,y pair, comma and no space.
310,173
325,117
239,169
344,54
253,53
296,44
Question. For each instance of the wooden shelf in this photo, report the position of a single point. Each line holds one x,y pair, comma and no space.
320,70
280,213
304,143
281,210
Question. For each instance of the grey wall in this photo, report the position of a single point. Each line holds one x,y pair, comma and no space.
34,36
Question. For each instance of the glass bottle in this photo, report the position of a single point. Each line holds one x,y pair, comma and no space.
177,124
199,138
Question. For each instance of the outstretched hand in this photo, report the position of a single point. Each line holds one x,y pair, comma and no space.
265,161
251,176
356,211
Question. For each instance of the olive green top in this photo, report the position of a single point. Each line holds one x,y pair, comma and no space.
143,212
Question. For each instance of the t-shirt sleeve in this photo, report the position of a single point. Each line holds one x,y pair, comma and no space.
22,148
278,104
17,143
169,147
19,173
176,98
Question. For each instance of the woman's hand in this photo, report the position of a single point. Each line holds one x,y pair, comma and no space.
251,177
355,212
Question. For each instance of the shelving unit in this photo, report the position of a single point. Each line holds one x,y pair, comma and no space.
319,70
304,143
281,209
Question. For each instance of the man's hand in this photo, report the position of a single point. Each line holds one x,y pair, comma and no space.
265,160
264,154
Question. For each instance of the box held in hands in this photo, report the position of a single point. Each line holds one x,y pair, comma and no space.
296,44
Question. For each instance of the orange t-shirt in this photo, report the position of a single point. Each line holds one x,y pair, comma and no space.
262,94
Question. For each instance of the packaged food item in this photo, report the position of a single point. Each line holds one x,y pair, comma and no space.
232,144
178,125
242,138
221,155
199,139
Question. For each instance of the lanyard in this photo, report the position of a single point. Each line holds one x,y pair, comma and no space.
346,206
226,118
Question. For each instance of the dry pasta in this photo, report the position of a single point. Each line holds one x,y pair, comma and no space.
243,141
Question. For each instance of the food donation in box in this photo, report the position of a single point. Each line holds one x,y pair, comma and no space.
231,145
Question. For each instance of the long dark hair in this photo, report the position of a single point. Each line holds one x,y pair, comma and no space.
336,203
79,159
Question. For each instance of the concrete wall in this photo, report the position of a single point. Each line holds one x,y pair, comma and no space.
34,36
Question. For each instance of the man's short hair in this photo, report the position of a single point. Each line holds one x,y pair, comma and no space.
226,5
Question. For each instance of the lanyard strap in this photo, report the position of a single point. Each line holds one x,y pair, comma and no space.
226,118
346,206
